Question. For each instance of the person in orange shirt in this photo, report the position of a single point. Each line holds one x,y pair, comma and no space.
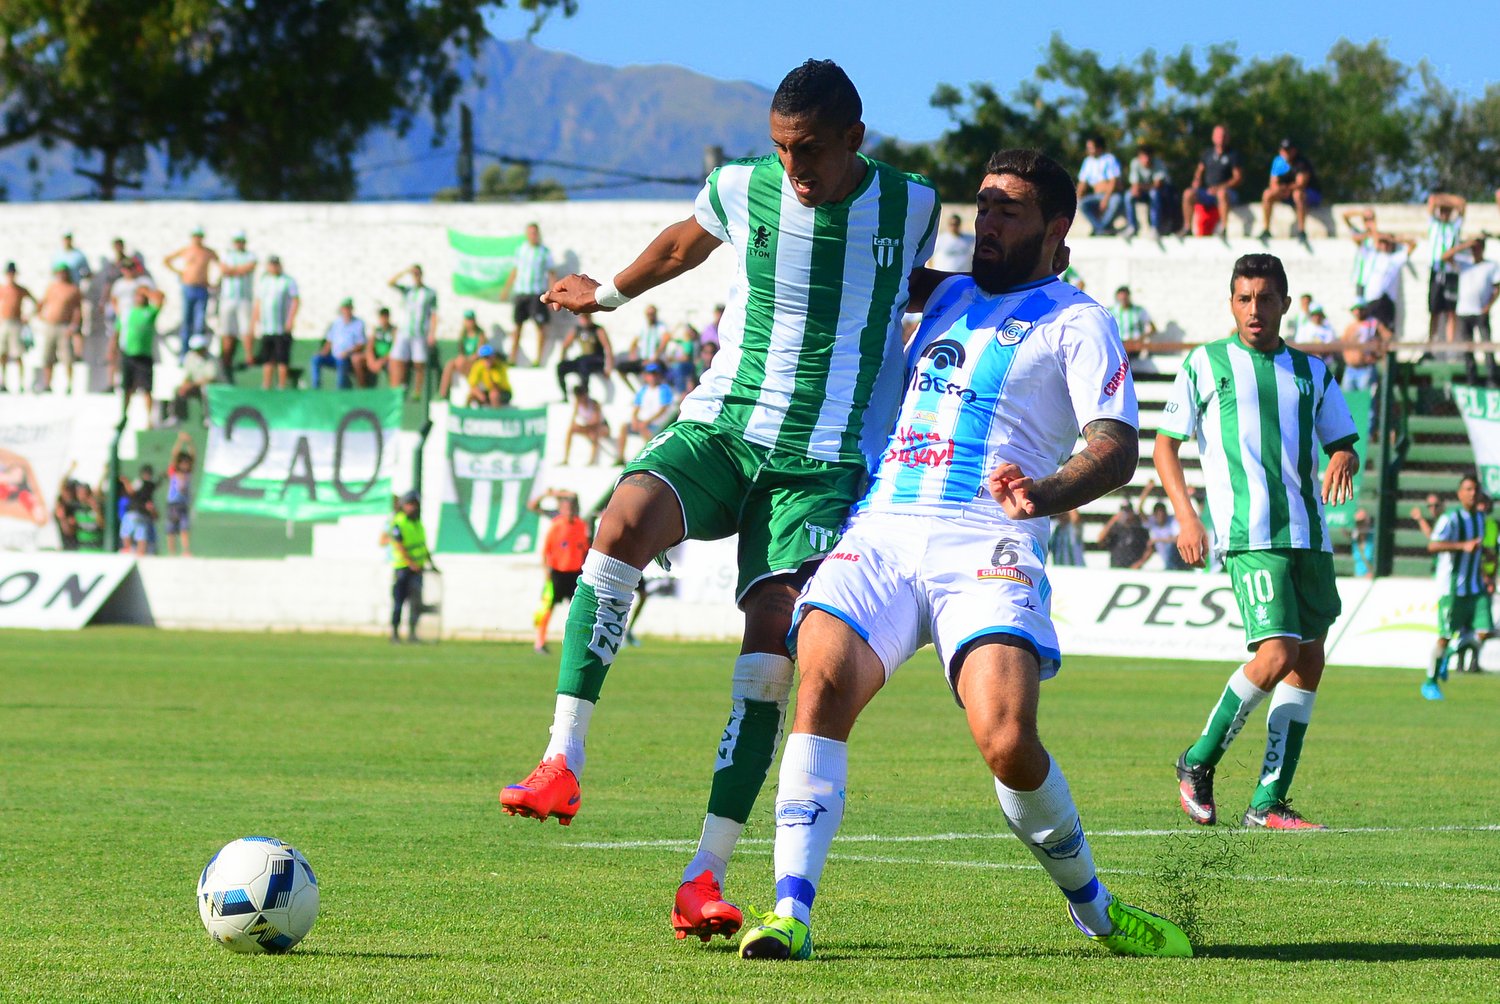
566,543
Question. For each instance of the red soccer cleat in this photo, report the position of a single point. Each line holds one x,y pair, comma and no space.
1280,816
702,911
550,790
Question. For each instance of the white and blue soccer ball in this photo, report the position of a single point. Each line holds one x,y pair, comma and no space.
258,895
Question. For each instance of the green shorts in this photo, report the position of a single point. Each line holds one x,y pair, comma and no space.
1284,593
1457,614
788,509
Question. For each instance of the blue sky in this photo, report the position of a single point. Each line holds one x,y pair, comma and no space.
896,59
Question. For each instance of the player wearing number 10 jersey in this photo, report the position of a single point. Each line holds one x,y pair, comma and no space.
1261,411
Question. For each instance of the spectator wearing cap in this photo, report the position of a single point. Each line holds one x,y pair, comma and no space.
532,276
343,349
1445,224
1478,285
1100,197
59,323
489,379
1213,190
1147,183
274,316
409,558
470,338
191,264
198,371
416,331
13,297
1365,339
1316,330
653,407
236,301
596,356
1294,182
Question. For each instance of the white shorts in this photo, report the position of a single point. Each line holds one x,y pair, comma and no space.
409,349
901,581
56,341
234,318
10,339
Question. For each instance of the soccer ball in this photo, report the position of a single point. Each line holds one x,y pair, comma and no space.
258,895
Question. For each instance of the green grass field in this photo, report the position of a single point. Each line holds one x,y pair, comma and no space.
128,756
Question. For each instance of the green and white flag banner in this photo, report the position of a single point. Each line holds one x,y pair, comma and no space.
493,459
1480,408
483,264
299,455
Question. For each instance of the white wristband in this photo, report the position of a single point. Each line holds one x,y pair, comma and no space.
608,297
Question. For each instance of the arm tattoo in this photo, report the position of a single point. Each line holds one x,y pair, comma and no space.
1106,462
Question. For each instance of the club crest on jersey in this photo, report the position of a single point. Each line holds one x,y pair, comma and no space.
887,251
1304,386
1012,331
820,538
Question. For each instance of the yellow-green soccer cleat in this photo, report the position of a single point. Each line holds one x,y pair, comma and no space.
1139,932
777,938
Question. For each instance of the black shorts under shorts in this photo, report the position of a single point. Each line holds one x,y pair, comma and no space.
138,373
564,585
528,307
275,349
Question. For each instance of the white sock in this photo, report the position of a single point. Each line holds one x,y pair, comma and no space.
1047,822
809,809
570,726
714,847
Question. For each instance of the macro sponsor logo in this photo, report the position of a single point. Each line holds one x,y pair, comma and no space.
928,381
1117,380
1006,572
799,812
918,448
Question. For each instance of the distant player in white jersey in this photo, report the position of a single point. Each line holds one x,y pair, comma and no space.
948,546
1261,412
774,445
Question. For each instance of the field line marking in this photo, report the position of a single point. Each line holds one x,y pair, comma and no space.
625,845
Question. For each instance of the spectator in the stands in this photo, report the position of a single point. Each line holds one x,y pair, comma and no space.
532,276
954,250
180,496
1126,538
706,353
1383,282
138,526
191,263
1147,179
1445,224
122,300
710,333
489,380
1428,513
1478,284
1362,544
236,302
13,297
653,407
343,349
76,261
647,347
378,347
1215,181
272,320
1316,330
64,514
198,371
596,356
1134,323
1362,230
59,324
587,421
88,515
416,336
1100,196
138,345
470,337
1294,182
680,356
1065,546
1366,340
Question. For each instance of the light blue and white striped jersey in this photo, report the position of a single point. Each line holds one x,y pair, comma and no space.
1012,378
533,262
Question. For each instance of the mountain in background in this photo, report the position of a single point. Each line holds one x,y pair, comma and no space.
534,103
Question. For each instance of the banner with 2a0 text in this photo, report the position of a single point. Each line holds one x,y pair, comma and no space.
299,455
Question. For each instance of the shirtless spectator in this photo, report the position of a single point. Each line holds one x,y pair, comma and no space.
1214,182
59,324
1366,339
13,297
191,264
1292,181
236,302
588,422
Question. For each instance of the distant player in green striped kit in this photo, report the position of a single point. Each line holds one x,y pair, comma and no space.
775,444
1261,411
1458,540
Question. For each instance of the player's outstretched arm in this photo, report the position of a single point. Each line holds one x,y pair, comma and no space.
1192,538
679,248
1105,463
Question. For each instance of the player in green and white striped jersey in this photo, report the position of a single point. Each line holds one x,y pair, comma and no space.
1463,592
236,301
1261,411
775,443
1445,222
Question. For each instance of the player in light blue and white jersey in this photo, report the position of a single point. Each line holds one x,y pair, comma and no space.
1006,369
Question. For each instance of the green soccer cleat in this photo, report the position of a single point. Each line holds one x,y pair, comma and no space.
1139,932
777,938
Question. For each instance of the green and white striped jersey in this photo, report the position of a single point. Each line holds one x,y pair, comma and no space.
1364,260
237,288
418,303
533,262
1441,236
1260,419
275,294
1131,320
810,342
1459,573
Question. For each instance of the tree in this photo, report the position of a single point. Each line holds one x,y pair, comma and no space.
273,95
509,183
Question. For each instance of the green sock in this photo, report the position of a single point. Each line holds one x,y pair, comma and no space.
1240,697
595,631
744,760
1286,724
